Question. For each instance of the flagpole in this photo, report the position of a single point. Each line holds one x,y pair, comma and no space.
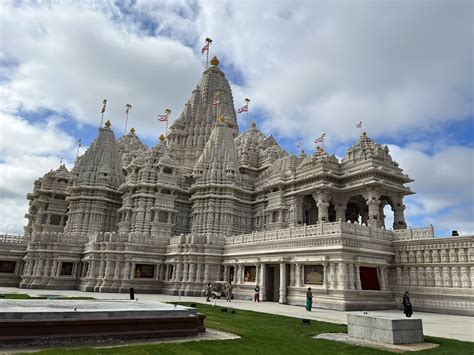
127,109
78,146
208,44
104,103
167,113
247,100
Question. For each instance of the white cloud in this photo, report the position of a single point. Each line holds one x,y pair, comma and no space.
70,57
27,151
319,66
444,186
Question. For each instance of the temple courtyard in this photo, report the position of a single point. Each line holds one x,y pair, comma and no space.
434,325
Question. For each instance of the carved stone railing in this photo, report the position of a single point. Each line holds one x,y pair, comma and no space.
12,239
413,233
315,230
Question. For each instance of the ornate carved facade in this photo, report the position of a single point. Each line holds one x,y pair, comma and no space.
211,204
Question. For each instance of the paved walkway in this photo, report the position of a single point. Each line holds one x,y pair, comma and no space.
434,324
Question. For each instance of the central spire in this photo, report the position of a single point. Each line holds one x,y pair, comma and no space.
190,132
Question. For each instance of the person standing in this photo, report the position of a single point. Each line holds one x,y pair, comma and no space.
309,299
256,296
208,292
228,289
407,309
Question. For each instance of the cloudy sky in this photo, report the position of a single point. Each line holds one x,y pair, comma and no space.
404,68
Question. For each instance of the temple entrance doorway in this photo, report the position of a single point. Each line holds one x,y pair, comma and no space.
369,278
272,288
310,210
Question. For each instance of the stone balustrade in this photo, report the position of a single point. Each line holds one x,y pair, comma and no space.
410,234
12,239
322,229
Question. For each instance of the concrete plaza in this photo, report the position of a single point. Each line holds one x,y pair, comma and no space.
438,325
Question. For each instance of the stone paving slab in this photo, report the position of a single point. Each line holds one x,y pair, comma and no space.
394,348
434,324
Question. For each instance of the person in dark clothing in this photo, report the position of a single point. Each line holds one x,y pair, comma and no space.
309,299
256,296
407,305
208,292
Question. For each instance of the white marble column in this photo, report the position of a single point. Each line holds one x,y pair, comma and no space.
292,274
358,284
282,298
332,276
262,282
226,273
298,275
206,272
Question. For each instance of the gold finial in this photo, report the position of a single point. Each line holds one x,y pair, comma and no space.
319,149
254,125
108,124
132,130
222,119
214,61
162,138
364,133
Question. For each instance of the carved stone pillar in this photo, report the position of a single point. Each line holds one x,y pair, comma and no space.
381,275
282,298
292,274
332,276
226,273
262,282
398,209
298,275
323,214
185,272
340,207
375,219
342,276
199,268
206,272
325,275
192,272
179,271
351,276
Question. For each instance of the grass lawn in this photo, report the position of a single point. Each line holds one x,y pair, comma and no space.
24,296
263,334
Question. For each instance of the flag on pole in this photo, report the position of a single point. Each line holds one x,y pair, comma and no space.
103,107
127,108
359,125
244,108
205,48
163,118
298,145
320,139
79,143
215,102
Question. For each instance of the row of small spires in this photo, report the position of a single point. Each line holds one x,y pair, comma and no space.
108,124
